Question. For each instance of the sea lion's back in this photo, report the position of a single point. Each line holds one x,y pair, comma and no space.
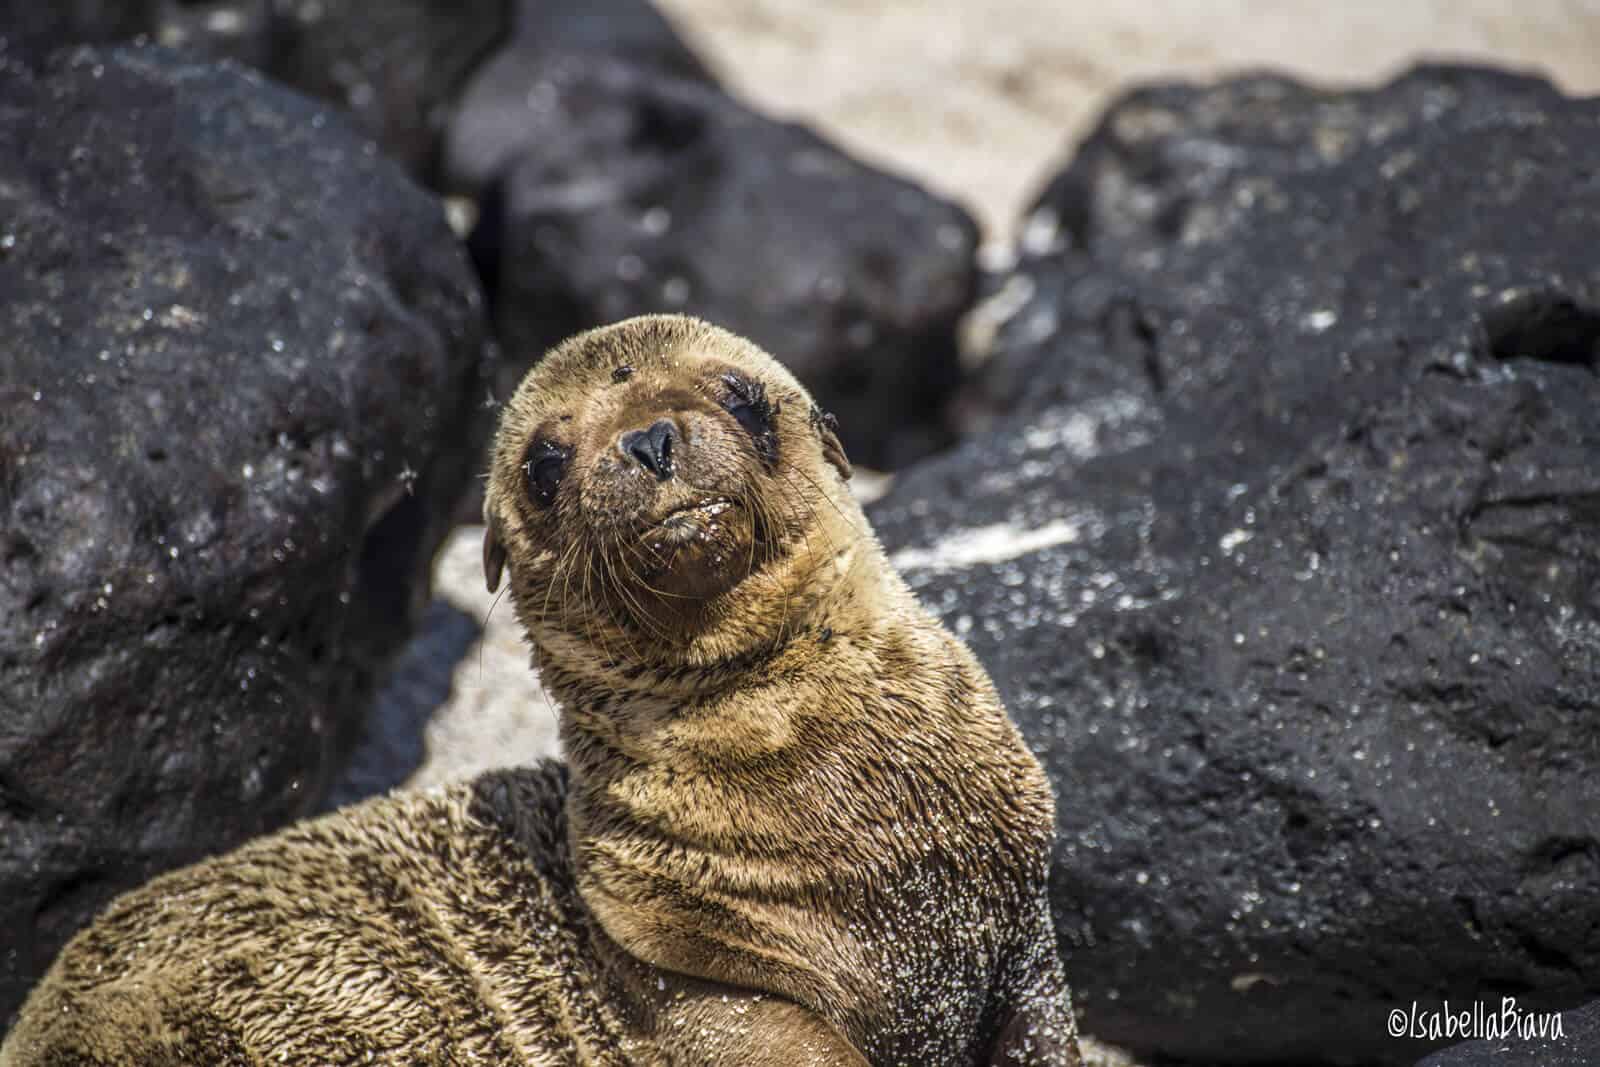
428,927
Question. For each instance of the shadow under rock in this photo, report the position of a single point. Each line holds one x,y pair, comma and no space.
391,746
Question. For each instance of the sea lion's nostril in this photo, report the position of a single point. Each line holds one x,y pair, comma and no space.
652,448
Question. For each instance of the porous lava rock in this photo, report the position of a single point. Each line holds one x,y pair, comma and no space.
1287,558
243,364
1520,1038
30,28
397,66
496,120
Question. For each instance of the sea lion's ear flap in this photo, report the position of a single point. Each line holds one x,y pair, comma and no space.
827,428
494,553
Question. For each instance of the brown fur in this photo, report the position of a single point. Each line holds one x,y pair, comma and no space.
799,828
423,928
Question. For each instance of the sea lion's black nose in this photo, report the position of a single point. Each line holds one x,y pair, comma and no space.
652,447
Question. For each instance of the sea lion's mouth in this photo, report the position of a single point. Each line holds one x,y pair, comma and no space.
691,519
688,523
692,547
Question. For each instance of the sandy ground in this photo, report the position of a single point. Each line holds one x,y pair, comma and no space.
980,100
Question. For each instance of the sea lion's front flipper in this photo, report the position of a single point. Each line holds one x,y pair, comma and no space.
1037,1035
1041,1030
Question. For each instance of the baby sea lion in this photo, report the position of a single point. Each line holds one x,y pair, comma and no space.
796,826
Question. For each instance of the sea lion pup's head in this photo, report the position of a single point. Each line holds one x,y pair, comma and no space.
658,484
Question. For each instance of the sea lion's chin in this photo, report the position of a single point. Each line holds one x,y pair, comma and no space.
696,550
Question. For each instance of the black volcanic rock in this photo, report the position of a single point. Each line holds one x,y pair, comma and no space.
243,361
644,193
629,30
1525,1039
242,30
393,736
1171,167
396,66
1288,560
31,28
496,121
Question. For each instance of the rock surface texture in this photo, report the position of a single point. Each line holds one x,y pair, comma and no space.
243,362
29,28
1288,558
398,65
395,66
497,120
640,192
1578,1043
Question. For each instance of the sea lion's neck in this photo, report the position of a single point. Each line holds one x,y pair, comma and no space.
698,788
749,834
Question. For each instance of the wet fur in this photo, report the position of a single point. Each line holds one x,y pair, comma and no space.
799,827
437,927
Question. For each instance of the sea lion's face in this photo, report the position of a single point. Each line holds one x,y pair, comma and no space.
658,465
650,467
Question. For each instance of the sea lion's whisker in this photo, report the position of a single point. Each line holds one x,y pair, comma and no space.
757,525
823,493
563,561
644,583
815,525
486,617
608,578
638,611
597,633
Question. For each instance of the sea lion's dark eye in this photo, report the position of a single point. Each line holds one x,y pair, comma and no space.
543,469
747,402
